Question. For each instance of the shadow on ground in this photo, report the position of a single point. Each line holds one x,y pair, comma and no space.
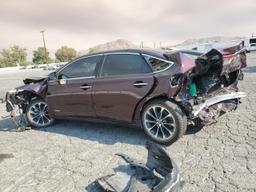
5,156
193,129
7,124
250,69
105,133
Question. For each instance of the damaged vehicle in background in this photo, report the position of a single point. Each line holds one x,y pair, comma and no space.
160,91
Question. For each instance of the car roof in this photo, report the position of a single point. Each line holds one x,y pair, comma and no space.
155,53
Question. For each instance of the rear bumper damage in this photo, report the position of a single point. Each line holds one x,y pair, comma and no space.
159,174
217,99
209,89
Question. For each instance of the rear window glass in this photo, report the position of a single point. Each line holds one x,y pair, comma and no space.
157,64
124,64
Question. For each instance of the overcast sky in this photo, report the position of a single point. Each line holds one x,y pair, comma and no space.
85,23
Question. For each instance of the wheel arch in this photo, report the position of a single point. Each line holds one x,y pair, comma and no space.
28,96
33,95
41,117
179,118
141,105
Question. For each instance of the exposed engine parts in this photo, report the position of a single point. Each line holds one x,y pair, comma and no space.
14,105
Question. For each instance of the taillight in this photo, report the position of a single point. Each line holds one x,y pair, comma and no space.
229,56
227,59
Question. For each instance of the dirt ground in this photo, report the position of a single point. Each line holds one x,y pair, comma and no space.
71,154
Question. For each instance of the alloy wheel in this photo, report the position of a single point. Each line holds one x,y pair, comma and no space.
159,122
39,115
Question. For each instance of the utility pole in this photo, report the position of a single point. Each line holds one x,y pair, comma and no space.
45,51
160,44
141,44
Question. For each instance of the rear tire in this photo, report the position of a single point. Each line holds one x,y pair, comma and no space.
163,121
37,114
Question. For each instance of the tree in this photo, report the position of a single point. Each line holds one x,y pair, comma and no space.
39,56
12,57
19,55
93,50
6,59
65,53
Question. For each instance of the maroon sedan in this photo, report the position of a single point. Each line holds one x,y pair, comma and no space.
159,90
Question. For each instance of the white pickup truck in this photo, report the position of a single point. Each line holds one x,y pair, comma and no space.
252,45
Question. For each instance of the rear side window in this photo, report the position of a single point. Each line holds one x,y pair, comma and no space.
84,67
124,64
157,64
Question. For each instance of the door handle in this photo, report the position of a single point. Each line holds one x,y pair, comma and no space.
139,84
85,87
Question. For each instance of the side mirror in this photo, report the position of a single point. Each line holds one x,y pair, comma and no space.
62,81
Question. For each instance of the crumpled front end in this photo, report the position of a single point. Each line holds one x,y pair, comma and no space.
17,100
20,96
209,89
10,100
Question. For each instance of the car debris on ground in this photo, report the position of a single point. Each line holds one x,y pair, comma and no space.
159,174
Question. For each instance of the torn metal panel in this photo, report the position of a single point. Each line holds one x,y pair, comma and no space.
210,88
210,114
217,99
159,174
15,104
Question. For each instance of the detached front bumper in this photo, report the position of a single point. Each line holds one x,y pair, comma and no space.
142,177
10,99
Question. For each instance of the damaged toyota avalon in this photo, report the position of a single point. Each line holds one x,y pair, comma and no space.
160,91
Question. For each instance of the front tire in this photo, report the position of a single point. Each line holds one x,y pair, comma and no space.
37,114
163,121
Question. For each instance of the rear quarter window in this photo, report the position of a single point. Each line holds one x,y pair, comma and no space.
157,64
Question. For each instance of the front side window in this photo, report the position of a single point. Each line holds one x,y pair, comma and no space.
157,64
124,64
84,67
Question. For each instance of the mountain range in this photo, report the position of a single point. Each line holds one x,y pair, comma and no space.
126,44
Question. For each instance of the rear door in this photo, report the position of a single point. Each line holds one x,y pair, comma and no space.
71,93
124,79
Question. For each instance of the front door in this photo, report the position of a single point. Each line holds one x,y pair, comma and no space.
124,79
71,94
